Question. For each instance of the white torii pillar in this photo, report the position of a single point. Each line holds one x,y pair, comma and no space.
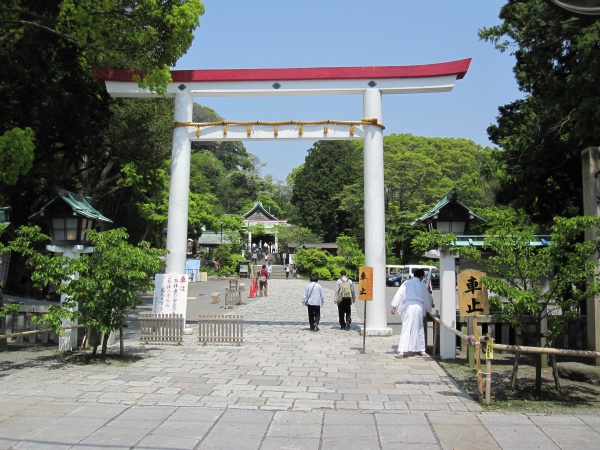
371,82
179,189
375,254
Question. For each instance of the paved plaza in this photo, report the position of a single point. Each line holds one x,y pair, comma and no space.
284,388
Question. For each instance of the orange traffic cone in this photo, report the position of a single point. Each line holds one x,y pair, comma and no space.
252,289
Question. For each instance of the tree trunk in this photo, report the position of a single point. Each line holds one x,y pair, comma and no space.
555,373
93,339
121,343
541,331
105,343
513,379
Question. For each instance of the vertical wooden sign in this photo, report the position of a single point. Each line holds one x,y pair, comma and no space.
365,283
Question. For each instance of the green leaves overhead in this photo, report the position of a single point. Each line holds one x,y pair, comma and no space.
542,136
16,154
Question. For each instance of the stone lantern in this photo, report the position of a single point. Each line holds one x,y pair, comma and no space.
449,215
70,216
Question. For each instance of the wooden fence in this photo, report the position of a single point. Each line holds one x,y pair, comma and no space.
161,328
221,329
575,333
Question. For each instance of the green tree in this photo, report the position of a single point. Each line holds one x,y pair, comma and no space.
329,166
56,43
16,154
149,36
291,237
547,283
313,261
108,281
353,256
419,171
542,135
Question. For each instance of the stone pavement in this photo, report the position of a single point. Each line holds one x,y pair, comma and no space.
284,388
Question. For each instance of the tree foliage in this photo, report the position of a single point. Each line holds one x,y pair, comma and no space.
328,189
419,171
548,282
16,154
107,283
148,36
47,51
328,168
542,135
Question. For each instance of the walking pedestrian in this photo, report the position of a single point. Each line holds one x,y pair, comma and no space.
313,299
412,300
263,277
287,271
269,270
344,296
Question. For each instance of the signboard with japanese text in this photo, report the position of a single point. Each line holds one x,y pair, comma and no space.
365,283
170,294
472,294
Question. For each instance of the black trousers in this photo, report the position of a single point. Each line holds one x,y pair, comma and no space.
314,315
344,310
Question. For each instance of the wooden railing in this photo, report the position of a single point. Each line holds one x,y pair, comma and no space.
161,328
221,329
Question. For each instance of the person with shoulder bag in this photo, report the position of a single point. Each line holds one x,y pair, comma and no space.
344,296
313,299
263,277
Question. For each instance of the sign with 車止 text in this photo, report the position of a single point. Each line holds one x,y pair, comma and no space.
365,283
472,293
170,294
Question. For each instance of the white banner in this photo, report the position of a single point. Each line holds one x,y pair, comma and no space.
170,294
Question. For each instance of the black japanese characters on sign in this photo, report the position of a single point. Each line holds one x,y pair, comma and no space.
365,283
472,294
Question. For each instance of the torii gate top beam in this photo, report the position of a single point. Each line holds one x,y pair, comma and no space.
299,81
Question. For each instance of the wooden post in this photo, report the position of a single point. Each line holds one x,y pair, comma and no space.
436,332
364,328
478,358
488,381
470,349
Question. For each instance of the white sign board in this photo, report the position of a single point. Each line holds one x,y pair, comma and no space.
170,294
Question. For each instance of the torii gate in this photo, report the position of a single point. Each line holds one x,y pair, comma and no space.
370,82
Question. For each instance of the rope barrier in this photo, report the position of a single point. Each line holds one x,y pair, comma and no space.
518,348
301,124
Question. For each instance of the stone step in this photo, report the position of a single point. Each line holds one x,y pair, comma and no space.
277,271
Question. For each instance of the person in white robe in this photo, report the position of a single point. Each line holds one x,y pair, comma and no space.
412,300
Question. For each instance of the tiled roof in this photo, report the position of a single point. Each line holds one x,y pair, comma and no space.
79,204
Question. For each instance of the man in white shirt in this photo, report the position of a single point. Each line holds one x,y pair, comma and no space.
412,300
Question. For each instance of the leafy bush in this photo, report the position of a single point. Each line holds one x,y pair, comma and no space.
322,272
350,258
308,260
227,259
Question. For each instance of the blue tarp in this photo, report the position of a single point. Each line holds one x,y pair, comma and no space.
192,267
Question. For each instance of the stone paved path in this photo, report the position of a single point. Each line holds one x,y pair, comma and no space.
285,387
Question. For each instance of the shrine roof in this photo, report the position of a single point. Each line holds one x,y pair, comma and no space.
78,203
259,213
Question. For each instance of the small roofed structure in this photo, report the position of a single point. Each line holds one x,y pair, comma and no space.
450,215
259,215
69,216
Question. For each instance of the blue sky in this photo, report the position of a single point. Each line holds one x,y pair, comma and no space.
322,33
